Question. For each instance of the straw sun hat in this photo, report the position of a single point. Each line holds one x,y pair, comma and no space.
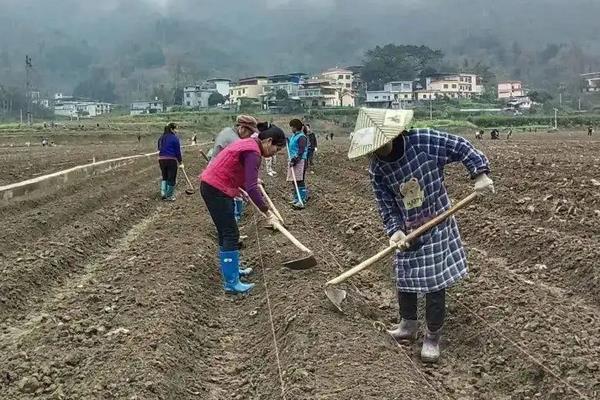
375,128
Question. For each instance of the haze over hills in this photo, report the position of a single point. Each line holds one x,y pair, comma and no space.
141,44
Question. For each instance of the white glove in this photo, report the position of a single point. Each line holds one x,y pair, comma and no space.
315,149
398,239
272,218
181,166
484,185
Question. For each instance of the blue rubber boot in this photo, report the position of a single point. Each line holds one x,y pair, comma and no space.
294,197
304,194
170,193
238,208
230,269
243,272
163,189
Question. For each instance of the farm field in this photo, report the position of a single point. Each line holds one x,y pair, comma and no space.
109,293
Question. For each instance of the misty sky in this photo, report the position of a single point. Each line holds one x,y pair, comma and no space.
244,37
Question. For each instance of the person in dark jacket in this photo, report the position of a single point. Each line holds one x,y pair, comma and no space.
169,159
312,144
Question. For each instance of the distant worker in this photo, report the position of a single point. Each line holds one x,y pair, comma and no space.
479,134
169,159
44,142
495,134
139,137
237,166
509,134
194,140
298,154
269,161
245,126
590,130
312,145
407,175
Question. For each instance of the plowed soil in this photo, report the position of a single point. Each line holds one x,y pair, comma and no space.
109,293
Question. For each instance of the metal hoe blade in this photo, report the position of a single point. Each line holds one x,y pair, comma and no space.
336,296
190,191
301,263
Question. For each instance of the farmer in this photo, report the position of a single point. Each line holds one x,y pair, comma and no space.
245,126
237,167
169,156
269,162
407,174
312,145
298,154
590,130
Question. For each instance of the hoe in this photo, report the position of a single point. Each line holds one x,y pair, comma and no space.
337,296
300,264
190,190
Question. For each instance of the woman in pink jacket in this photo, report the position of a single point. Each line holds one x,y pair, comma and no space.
236,167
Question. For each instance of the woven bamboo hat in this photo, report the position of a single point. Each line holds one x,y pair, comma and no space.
375,128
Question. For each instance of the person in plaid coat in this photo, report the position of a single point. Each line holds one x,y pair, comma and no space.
407,174
408,180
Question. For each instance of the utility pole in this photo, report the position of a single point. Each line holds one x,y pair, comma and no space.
28,67
556,119
580,104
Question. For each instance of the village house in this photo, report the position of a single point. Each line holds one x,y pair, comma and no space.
394,95
196,96
290,83
251,88
454,86
72,107
510,89
591,82
146,107
323,93
222,85
343,80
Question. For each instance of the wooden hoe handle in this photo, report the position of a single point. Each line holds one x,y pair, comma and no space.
410,237
279,227
266,196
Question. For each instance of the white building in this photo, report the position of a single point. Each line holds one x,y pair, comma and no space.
455,85
343,80
68,106
394,95
510,89
222,85
146,107
198,95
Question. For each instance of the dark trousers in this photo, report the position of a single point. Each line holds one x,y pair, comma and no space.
310,156
435,308
220,207
169,171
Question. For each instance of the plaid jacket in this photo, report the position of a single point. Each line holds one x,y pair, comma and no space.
409,192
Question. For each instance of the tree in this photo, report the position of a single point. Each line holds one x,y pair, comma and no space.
151,57
97,86
540,96
281,94
395,63
215,98
69,59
